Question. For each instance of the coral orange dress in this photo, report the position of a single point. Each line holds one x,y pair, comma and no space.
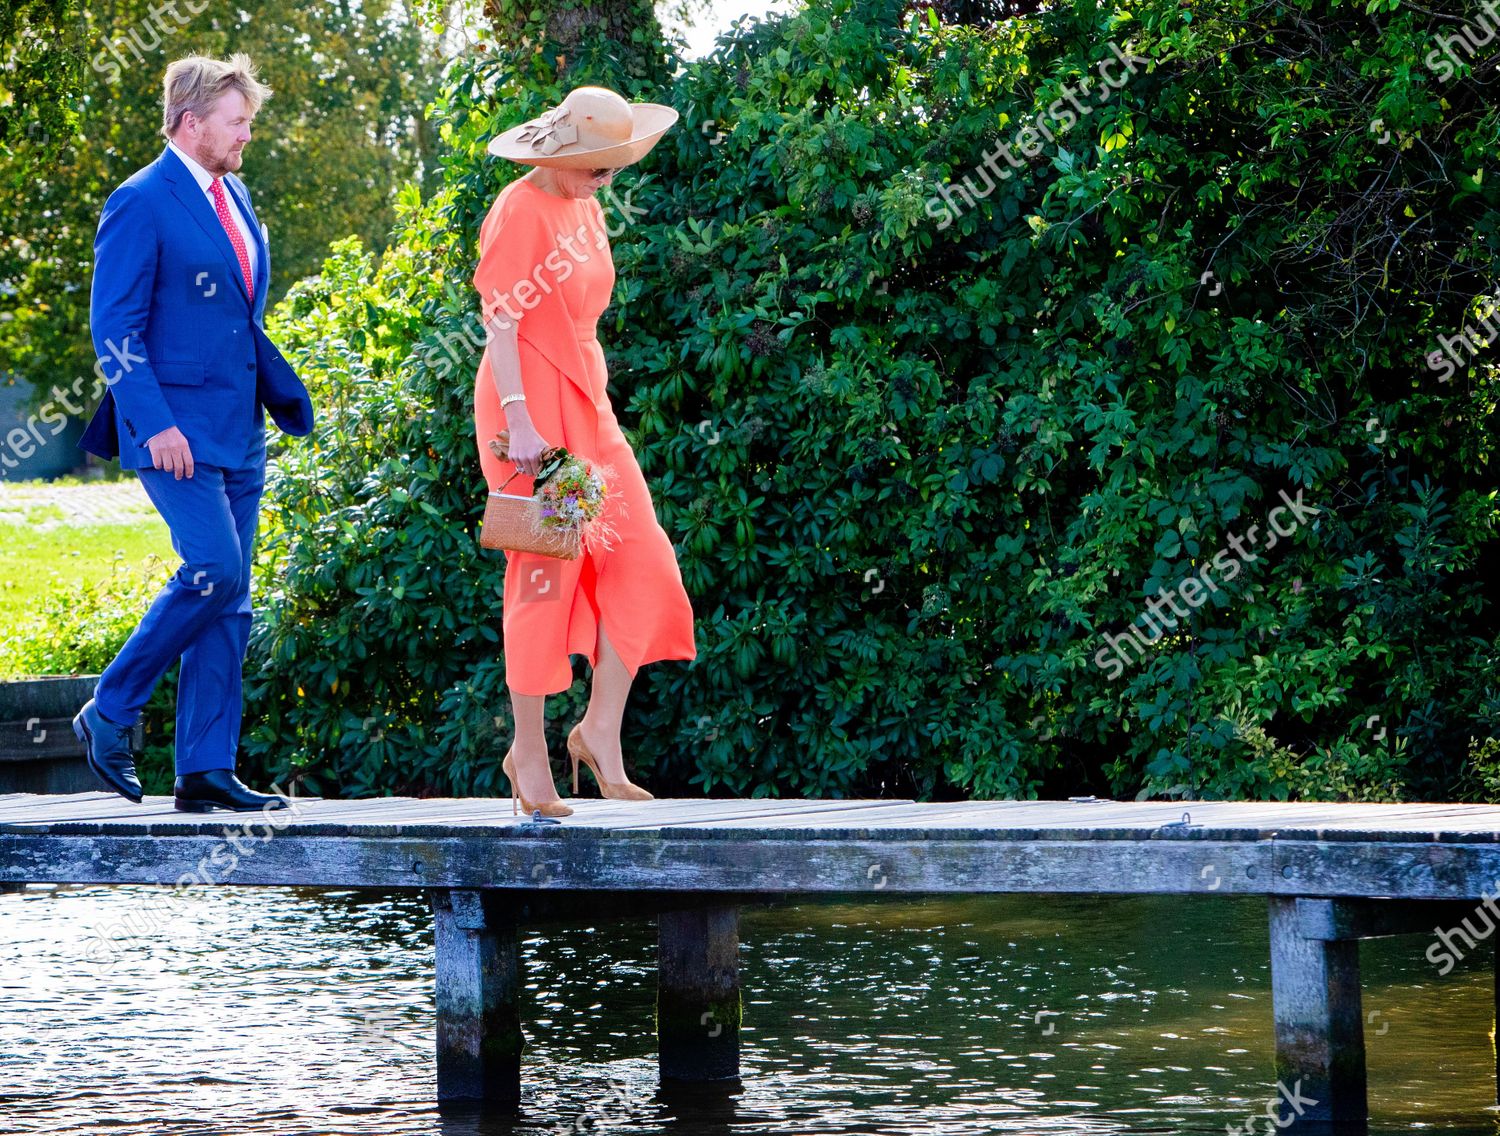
545,264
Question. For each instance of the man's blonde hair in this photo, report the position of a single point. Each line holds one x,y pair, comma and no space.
196,84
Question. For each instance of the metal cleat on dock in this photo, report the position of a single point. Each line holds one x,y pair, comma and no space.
1183,825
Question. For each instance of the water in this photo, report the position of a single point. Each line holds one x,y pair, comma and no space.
278,1012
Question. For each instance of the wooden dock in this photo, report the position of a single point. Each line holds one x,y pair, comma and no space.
1332,875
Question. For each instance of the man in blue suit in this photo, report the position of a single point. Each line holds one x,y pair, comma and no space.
180,279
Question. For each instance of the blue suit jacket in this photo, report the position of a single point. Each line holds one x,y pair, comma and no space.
178,341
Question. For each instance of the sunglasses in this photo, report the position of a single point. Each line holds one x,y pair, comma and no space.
599,174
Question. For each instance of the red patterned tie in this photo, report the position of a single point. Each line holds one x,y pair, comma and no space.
236,238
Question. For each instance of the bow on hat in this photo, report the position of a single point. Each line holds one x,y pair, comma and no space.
550,132
593,128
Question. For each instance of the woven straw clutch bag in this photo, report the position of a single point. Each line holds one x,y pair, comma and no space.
514,523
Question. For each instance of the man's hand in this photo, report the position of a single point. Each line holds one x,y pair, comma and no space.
170,451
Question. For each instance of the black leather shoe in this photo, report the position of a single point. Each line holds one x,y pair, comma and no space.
107,746
220,789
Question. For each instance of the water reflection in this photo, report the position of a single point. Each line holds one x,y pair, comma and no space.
272,1012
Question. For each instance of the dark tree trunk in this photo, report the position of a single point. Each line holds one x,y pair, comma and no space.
565,25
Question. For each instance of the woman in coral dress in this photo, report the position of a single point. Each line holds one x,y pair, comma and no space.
545,276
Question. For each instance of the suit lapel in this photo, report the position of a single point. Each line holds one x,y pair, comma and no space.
195,201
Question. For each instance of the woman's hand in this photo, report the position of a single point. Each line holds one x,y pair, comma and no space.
526,445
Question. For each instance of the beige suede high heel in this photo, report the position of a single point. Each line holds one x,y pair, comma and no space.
546,808
578,750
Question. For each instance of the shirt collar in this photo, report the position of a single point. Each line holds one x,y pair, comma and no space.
202,176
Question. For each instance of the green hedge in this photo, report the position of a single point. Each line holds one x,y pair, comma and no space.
917,472
79,629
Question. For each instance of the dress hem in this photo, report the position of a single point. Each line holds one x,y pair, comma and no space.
560,690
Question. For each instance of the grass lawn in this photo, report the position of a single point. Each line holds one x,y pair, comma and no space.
36,561
81,548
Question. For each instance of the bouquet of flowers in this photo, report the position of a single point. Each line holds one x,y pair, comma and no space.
569,496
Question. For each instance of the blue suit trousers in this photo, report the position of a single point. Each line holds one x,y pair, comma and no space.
202,616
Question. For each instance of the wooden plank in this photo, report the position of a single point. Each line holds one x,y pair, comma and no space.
1002,817
757,814
1398,869
1398,818
64,806
1348,920
38,802
98,806
668,812
541,905
981,822
107,809
77,804
772,820
646,862
1284,819
1106,820
118,815
127,819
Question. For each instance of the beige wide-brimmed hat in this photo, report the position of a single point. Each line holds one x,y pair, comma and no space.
593,128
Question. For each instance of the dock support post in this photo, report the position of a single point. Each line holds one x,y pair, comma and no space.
479,1038
698,1009
1320,1039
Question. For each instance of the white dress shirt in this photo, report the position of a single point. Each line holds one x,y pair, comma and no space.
205,179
